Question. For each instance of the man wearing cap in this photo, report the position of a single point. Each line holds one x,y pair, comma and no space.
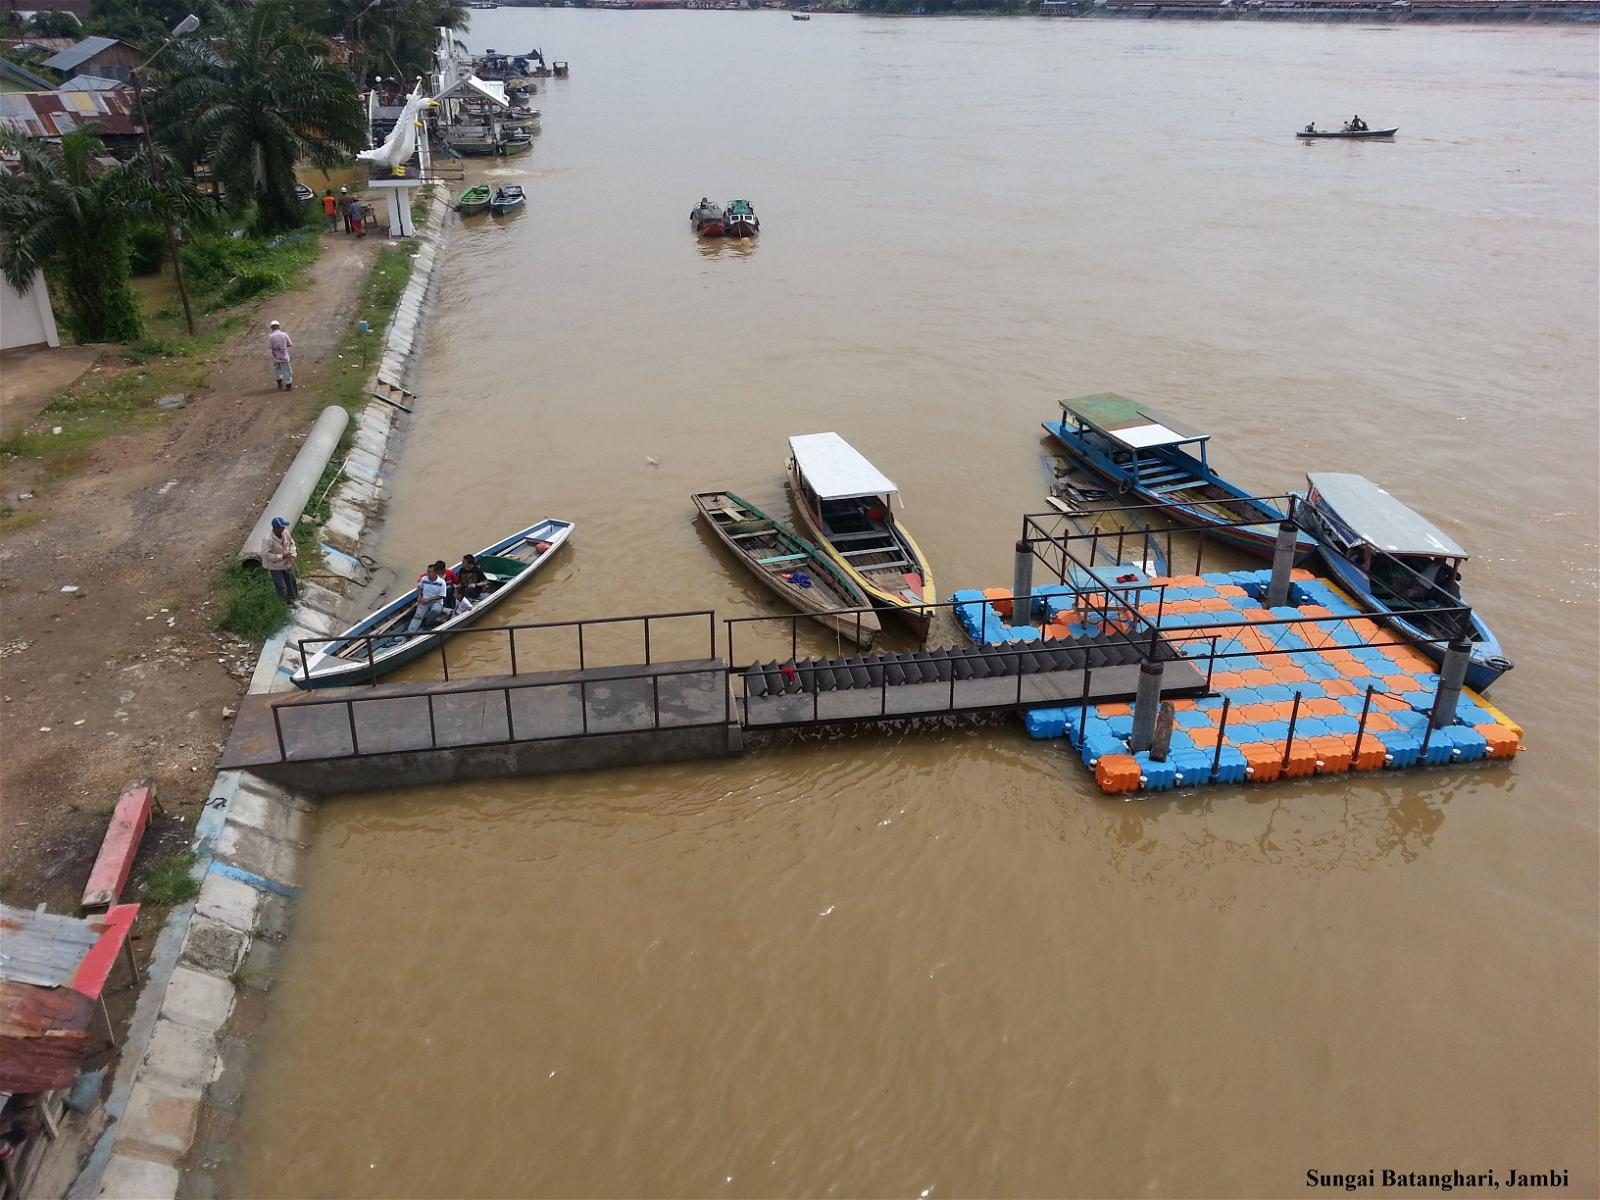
277,556
278,343
344,207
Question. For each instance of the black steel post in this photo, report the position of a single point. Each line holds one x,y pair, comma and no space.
511,640
1083,705
1211,662
580,647
1222,732
511,724
583,702
1361,729
372,670
277,725
647,641
655,698
433,730
1288,743
444,662
350,712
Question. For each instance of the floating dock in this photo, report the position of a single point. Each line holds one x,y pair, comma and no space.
1312,688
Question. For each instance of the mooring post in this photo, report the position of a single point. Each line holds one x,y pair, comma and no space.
1282,562
1452,677
1147,704
1022,585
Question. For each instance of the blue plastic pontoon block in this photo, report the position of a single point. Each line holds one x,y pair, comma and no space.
1441,748
1192,768
1404,748
1158,776
1120,726
1192,718
1271,693
1307,727
1217,578
1045,722
1208,704
1242,734
1342,724
1469,741
1274,731
1097,747
1231,765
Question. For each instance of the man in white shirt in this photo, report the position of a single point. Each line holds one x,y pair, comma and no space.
431,591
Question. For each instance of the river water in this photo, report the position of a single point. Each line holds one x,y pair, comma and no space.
941,963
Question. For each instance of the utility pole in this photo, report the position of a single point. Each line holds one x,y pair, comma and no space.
188,25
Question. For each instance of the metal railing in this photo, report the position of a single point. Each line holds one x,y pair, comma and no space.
370,641
505,690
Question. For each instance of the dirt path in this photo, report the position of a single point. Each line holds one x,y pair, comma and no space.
124,677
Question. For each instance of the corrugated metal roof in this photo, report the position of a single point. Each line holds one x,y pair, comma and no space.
68,60
43,949
51,114
1378,519
90,83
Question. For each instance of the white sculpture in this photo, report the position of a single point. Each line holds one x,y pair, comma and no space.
401,143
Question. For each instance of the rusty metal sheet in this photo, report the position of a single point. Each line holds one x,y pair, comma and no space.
44,1034
42,948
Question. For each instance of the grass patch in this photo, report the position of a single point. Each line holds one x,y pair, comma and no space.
170,881
345,384
250,605
223,270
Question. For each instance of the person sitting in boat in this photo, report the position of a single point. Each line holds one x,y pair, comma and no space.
1355,125
1448,580
452,584
471,579
1312,127
431,593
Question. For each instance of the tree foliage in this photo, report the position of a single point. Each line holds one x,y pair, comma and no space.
252,96
388,37
67,211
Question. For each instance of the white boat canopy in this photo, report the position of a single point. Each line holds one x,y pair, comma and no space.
471,87
1378,519
835,470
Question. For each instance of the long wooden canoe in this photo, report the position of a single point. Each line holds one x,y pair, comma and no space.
376,644
1347,134
788,565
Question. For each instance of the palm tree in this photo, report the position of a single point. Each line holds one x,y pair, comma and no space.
252,100
67,211
389,36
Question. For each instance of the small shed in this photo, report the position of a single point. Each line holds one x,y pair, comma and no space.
105,57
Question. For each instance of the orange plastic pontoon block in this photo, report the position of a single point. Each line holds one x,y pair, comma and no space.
1226,681
1206,738
1301,574
1113,710
1230,589
1321,706
1503,742
1334,751
1263,760
1373,753
1001,599
1401,683
1117,773
1302,759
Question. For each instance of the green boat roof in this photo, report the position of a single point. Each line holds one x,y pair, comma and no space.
1129,423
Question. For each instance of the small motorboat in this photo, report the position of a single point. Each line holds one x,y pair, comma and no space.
304,194
512,144
741,219
507,199
1140,453
377,644
1399,566
558,69
708,219
800,16
800,573
848,505
474,200
1311,134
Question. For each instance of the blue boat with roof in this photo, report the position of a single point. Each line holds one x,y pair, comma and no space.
1144,453
1399,566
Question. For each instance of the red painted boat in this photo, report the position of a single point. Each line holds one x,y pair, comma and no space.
708,219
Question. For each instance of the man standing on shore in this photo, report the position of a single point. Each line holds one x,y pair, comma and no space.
277,556
344,207
330,209
283,370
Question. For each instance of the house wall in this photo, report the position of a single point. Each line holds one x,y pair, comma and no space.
25,317
114,62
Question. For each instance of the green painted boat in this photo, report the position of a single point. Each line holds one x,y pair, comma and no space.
474,200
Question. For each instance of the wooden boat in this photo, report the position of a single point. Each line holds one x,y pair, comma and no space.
708,219
1139,452
1398,566
741,219
800,16
1348,134
373,646
471,141
558,69
848,506
474,200
515,143
789,565
507,199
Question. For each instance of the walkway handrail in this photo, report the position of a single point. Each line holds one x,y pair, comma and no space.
369,639
582,683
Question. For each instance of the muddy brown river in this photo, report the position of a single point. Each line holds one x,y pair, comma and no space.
941,963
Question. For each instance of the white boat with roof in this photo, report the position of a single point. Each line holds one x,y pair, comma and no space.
1399,566
848,506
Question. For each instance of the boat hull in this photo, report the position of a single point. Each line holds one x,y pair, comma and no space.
1348,135
742,228
1486,664
859,628
1259,542
911,613
317,672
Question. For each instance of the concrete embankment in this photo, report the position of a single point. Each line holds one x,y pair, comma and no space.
181,1073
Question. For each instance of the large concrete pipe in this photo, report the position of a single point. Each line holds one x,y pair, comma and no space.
289,501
